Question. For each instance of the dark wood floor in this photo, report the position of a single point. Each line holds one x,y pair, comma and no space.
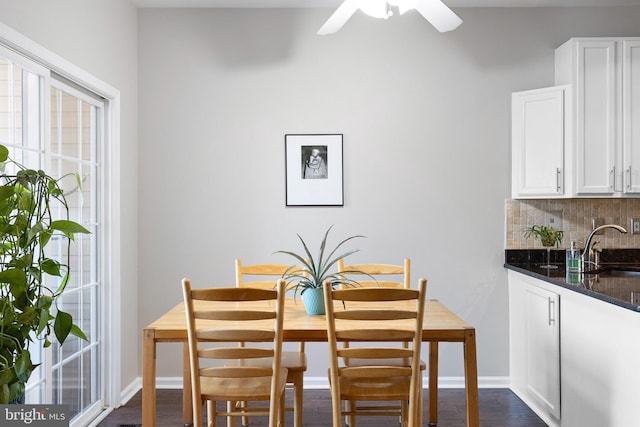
498,408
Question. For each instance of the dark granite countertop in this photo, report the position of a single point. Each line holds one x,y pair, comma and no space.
620,290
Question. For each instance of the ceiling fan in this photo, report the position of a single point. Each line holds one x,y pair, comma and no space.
434,11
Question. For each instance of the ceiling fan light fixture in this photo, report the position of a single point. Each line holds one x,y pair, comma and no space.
434,11
375,8
403,5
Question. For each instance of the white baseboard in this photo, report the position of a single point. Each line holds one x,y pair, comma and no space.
96,421
169,383
130,391
322,383
483,382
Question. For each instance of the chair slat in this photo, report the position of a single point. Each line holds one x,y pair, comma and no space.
375,294
375,353
375,335
236,372
235,335
235,353
265,269
379,284
375,371
381,272
375,315
260,284
374,269
233,294
232,315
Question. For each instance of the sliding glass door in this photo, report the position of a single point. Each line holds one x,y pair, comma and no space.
75,139
22,132
50,124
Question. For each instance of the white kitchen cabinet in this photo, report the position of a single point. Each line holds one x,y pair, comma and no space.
534,346
599,359
591,379
606,105
631,113
538,142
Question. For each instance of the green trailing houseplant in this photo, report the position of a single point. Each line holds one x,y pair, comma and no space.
312,272
29,311
548,235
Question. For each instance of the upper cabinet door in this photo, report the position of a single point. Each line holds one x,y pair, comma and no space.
538,143
631,114
595,91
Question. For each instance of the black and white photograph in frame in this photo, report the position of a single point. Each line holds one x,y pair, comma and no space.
314,162
313,170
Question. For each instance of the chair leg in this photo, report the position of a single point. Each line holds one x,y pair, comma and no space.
352,406
231,421
298,396
405,413
245,420
211,413
281,410
336,411
347,407
421,402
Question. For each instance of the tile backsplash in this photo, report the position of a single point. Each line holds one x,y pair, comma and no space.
574,217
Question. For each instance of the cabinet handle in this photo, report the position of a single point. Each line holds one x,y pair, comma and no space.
629,178
612,178
558,186
552,317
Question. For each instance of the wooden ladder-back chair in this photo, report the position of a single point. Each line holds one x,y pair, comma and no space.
294,361
378,275
366,317
236,313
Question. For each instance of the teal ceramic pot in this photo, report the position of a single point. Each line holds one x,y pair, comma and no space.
314,301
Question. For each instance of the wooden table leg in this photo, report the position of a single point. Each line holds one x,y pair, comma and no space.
149,378
298,402
187,401
471,379
433,383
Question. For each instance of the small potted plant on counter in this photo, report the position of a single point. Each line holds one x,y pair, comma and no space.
548,236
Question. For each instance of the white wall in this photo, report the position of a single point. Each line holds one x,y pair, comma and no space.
426,123
99,36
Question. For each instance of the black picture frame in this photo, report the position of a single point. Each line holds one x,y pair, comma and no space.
314,169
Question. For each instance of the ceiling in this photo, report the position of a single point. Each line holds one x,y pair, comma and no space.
335,3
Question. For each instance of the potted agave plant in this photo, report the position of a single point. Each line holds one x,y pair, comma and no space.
29,311
308,276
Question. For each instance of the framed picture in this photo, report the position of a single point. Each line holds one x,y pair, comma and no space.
313,170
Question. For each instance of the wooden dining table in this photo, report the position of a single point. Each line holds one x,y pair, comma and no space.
440,325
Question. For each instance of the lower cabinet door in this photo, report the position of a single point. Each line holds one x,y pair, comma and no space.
534,345
542,348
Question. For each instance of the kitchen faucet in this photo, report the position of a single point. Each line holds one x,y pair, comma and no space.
588,255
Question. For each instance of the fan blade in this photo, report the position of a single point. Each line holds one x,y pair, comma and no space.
339,17
439,15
